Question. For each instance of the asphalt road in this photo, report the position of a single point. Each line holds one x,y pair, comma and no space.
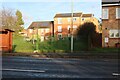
28,67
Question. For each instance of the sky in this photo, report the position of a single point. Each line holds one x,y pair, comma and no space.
45,10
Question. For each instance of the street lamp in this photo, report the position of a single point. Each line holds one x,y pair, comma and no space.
71,26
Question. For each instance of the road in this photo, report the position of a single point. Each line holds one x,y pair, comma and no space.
29,67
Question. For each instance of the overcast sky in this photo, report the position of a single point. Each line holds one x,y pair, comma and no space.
44,10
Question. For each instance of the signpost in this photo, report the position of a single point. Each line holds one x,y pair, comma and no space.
106,41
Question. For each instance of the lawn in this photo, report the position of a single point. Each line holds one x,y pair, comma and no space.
110,50
20,45
63,45
56,46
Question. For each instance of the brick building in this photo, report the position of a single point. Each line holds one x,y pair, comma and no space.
110,23
44,29
6,40
62,23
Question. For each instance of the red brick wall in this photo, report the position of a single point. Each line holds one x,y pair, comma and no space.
65,25
77,23
108,24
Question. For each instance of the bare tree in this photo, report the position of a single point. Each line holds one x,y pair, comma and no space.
8,18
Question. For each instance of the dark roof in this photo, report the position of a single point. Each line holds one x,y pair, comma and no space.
6,30
41,24
87,15
68,15
110,1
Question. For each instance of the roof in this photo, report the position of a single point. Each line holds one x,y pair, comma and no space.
68,15
3,28
6,30
110,1
41,24
87,15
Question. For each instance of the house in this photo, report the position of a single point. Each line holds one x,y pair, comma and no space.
111,23
62,23
23,32
44,29
6,40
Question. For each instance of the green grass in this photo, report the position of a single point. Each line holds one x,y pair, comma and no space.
20,45
106,50
63,45
56,46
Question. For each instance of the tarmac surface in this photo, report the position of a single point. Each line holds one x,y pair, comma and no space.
29,67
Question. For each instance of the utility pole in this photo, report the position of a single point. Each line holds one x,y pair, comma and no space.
37,42
71,26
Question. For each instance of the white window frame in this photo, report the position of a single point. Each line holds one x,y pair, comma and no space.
59,28
74,26
69,27
59,20
69,19
74,19
114,32
47,30
105,13
117,13
42,31
31,30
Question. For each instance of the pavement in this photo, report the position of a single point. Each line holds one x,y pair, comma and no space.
30,67
81,55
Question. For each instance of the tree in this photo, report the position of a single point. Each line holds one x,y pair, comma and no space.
7,18
11,21
87,30
19,20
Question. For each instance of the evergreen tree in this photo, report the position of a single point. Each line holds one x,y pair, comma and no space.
19,20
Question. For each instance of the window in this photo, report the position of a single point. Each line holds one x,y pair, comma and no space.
68,27
82,19
117,13
74,27
46,30
74,19
114,33
59,21
31,30
59,28
69,19
104,13
42,32
117,35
